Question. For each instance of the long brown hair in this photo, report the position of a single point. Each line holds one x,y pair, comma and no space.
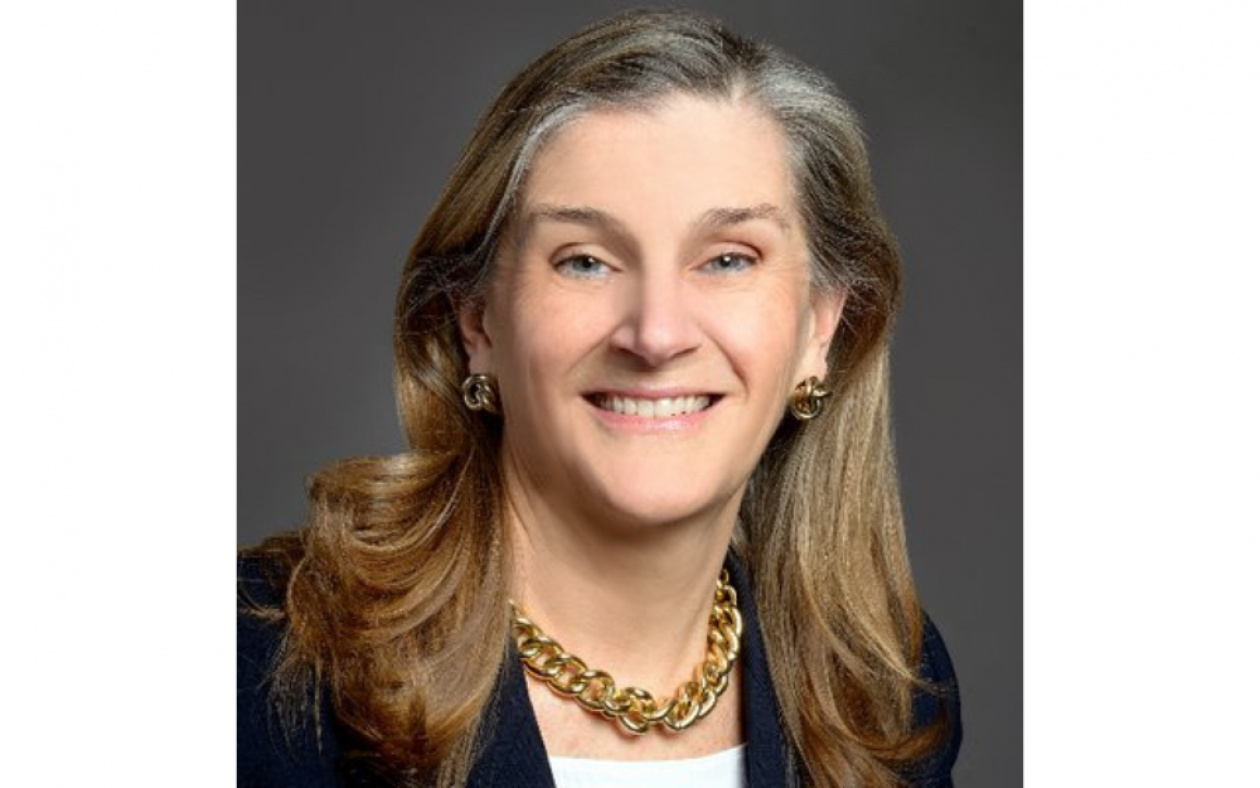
397,588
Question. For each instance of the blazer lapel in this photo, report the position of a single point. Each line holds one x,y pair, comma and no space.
512,750
767,761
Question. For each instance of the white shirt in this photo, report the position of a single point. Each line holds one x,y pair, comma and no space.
720,770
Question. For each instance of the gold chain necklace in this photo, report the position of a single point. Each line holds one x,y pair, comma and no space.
635,708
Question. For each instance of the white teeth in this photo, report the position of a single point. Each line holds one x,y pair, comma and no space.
663,408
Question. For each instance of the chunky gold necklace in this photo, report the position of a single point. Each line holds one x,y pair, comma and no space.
636,709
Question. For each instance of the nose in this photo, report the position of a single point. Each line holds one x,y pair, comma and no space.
658,320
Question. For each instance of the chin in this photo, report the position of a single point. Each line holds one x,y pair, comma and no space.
659,508
654,486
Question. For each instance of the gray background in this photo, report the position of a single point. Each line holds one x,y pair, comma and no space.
352,114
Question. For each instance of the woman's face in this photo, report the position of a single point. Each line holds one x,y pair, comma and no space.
650,313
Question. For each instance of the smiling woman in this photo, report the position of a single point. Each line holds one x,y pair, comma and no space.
642,362
645,284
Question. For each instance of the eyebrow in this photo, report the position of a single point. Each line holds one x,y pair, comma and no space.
712,219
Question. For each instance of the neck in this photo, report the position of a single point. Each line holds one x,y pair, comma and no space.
632,599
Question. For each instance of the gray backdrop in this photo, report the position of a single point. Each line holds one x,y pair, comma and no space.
352,114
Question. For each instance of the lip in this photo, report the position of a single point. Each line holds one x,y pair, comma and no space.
651,424
650,392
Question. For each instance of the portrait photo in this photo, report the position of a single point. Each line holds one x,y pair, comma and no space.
731,394
400,164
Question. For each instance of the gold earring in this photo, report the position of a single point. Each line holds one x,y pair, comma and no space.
807,399
479,393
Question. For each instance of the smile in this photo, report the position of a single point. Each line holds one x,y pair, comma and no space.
652,408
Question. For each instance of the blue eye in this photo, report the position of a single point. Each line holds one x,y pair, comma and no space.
583,266
729,263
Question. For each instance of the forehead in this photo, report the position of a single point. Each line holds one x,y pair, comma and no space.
679,159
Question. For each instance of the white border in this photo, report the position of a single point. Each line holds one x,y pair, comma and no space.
117,334
1141,393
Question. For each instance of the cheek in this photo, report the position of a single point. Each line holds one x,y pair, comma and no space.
765,343
538,341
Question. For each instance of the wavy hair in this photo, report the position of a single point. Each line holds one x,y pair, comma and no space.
396,588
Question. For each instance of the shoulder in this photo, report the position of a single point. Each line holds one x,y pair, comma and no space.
269,753
260,621
941,701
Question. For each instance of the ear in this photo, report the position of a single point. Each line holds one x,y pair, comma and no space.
823,319
477,342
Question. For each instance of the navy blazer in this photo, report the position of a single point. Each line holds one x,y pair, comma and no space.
512,751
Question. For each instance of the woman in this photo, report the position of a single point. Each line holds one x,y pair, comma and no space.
642,361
